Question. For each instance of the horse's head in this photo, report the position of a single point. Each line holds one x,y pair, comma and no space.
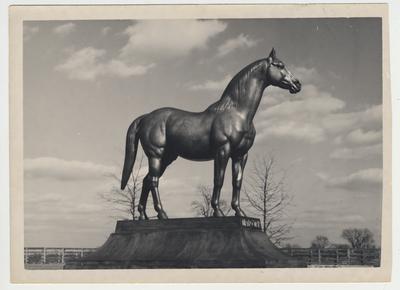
278,75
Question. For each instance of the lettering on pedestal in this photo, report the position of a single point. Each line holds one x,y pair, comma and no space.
251,223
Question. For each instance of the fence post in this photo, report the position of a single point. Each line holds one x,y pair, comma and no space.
25,256
362,257
311,253
81,253
337,256
319,256
62,255
44,256
349,256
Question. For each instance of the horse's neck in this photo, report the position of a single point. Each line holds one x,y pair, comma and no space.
243,93
249,97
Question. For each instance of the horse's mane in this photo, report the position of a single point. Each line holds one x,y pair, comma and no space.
231,94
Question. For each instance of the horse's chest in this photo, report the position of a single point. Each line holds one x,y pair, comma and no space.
235,130
245,141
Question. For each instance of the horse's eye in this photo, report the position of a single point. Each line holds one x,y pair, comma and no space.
279,65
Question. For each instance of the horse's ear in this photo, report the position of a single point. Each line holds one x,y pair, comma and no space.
272,54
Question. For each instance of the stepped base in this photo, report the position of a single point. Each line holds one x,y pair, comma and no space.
228,242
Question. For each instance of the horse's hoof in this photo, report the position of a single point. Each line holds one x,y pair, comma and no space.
162,215
218,213
143,216
240,213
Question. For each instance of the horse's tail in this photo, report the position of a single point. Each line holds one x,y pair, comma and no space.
130,151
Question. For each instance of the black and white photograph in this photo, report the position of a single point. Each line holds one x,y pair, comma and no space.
203,142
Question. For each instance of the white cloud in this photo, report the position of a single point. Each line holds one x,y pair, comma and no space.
273,96
88,63
241,41
360,144
361,137
309,132
357,152
364,180
298,118
314,116
312,101
49,167
212,85
306,75
169,38
119,68
148,41
105,30
30,31
83,64
346,121
64,29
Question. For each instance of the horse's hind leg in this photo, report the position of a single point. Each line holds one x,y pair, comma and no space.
146,188
155,169
143,198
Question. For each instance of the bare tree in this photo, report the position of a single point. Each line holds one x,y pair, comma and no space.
359,238
320,242
125,201
267,199
202,207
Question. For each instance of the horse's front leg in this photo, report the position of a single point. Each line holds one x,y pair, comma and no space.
238,164
220,161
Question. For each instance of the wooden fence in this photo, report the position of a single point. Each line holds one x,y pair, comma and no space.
54,255
312,257
336,257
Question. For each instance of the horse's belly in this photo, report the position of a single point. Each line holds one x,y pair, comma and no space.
197,156
190,147
190,139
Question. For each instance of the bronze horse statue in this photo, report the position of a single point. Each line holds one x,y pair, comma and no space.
224,130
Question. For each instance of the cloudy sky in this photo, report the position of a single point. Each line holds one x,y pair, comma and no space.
85,81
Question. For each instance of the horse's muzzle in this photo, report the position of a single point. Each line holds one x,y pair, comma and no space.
295,87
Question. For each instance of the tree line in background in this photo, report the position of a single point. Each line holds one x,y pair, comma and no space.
265,197
356,238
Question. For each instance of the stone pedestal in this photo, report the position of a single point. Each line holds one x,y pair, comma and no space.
228,242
